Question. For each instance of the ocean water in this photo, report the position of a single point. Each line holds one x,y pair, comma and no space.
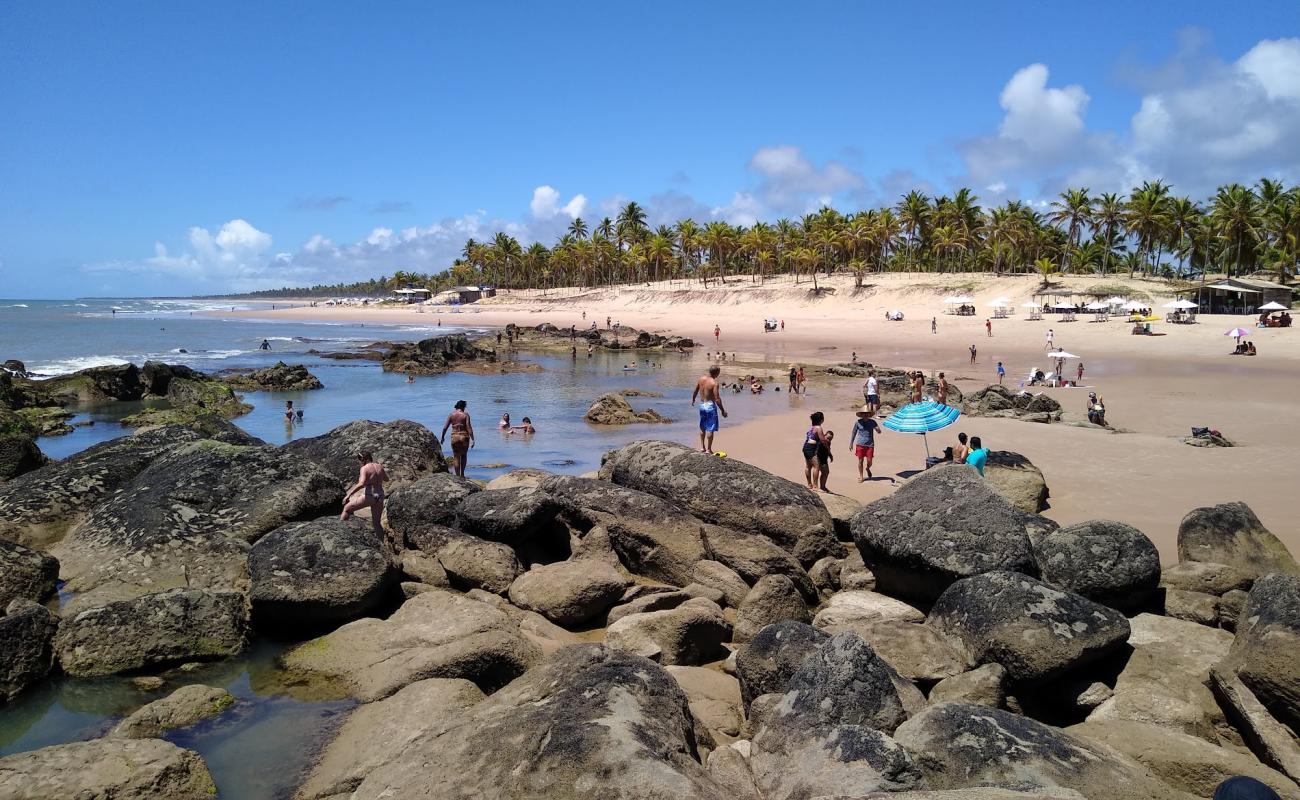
260,752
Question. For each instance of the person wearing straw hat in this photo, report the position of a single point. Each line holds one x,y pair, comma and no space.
864,440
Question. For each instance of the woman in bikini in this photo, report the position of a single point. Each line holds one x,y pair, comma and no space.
462,437
813,442
370,481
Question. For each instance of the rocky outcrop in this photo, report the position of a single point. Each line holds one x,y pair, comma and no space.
408,450
1034,631
436,634
752,556
1205,576
516,517
19,453
568,593
180,709
613,409
943,525
99,384
1109,562
472,563
691,634
1266,651
1271,741
588,721
26,646
1000,401
192,397
1017,479
766,664
715,575
773,599
434,356
917,652
151,631
729,493
858,606
1231,534
26,573
279,378
982,686
958,745
420,512
120,769
317,574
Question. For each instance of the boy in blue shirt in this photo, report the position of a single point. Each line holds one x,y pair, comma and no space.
978,455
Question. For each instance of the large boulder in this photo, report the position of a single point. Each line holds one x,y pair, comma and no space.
714,699
588,722
26,573
182,708
652,536
1266,651
943,525
278,378
436,634
715,575
19,453
187,520
773,599
420,512
613,409
316,574
959,745
568,593
1205,577
766,663
841,682
1036,632
26,646
97,384
917,652
520,517
1231,534
858,606
982,686
433,356
1109,562
153,630
473,563
832,761
1270,740
1017,479
107,769
752,556
692,633
408,450
729,493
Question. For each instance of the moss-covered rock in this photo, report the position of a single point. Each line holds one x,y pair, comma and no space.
280,378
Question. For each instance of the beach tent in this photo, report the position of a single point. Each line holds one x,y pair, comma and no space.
1181,305
922,418
1272,306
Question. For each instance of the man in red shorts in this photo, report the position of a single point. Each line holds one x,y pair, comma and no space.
864,440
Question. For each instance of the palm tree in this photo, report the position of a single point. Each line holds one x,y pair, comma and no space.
1073,211
1108,220
1146,218
718,239
1235,214
688,243
1046,268
914,215
631,224
578,228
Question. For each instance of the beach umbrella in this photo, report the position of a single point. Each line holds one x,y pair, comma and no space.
1238,333
922,418
1001,302
1133,305
1031,304
1097,306
1060,354
1272,306
1181,305
1064,306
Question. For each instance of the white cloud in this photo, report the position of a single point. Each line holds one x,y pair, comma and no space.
790,182
546,204
235,255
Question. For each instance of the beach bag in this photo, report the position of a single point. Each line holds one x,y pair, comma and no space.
1200,432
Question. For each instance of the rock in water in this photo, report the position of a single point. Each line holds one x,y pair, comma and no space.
26,646
766,664
187,520
568,593
19,453
436,634
773,599
1034,631
1231,534
433,356
120,769
26,573
279,378
97,384
420,512
1017,479
408,450
180,709
729,493
943,525
1109,562
958,745
316,574
612,409
1266,651
587,722
153,630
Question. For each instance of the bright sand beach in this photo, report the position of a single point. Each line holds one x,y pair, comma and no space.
1155,388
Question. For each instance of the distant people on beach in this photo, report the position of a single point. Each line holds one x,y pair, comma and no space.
794,380
706,390
1051,334
1078,372
1002,373
1096,409
816,452
978,455
370,482
943,390
504,424
717,334
959,452
918,386
800,381
934,324
525,428
863,440
988,326
972,354
265,345
462,436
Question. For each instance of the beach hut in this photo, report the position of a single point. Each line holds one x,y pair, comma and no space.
411,295
1240,295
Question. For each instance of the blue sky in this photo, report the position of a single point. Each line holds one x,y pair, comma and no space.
161,147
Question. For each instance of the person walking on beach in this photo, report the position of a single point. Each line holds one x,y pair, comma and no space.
972,354
462,437
802,389
918,385
988,326
934,324
706,389
1002,373
978,455
943,390
717,334
794,380
864,440
370,481
812,445
1079,373
1051,334
871,391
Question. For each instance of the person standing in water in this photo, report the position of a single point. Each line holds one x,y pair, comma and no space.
370,481
706,389
462,437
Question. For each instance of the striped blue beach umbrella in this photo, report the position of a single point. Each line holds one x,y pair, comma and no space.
922,418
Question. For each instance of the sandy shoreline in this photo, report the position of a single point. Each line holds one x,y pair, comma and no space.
1156,388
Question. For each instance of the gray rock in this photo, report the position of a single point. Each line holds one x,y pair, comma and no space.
1197,607
773,599
436,634
1266,650
1231,604
692,633
959,745
568,593
589,721
1205,576
723,578
153,630
19,453
1017,479
472,563
1109,562
832,761
854,574
714,596
26,646
120,769
26,573
729,493
653,601
420,512
281,377
943,525
1033,630
423,569
612,409
1231,534
917,652
751,557
180,709
841,682
825,575
766,664
714,699
320,573
517,517
730,768
407,449
857,606
982,686
1271,741
841,508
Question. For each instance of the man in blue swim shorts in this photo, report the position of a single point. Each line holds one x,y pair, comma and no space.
706,389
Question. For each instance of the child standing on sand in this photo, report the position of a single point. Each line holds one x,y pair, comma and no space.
1001,373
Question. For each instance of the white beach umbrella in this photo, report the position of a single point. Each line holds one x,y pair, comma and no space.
1273,306
1001,302
1114,301
1064,306
1237,332
1133,305
1097,306
1180,304
1061,354
1031,304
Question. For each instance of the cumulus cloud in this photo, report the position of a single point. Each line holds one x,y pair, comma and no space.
546,204
791,183
236,256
